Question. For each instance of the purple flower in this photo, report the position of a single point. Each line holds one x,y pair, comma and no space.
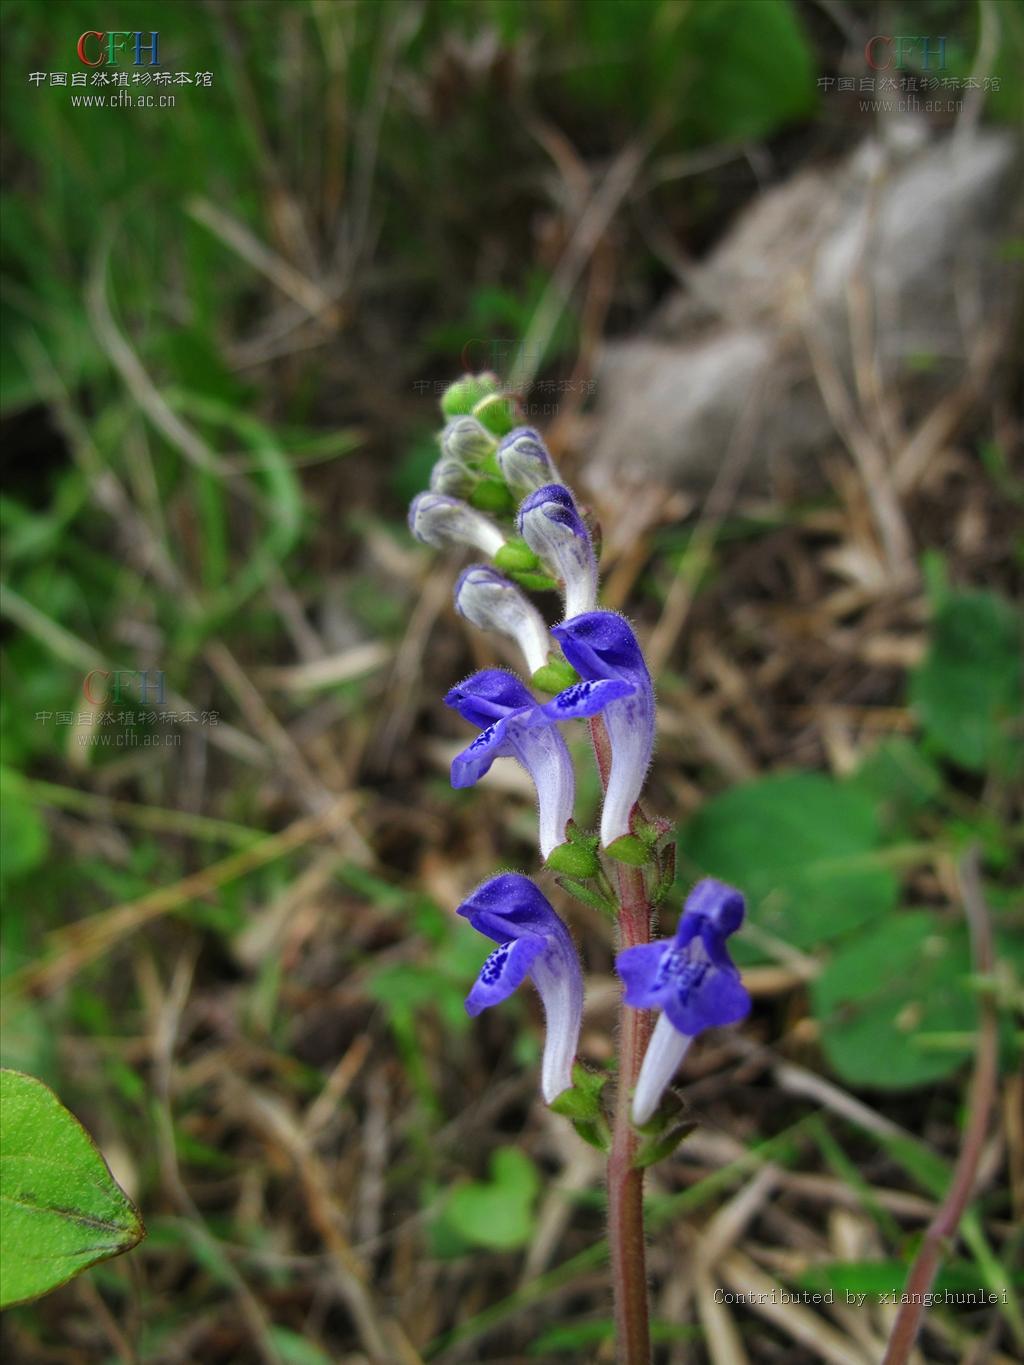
554,530
439,520
513,725
532,941
488,599
602,648
691,979
524,461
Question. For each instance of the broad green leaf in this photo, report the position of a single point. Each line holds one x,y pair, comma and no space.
968,691
62,1209
803,848
497,1213
882,994
900,779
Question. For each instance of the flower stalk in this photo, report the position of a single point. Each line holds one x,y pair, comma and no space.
592,667
625,1178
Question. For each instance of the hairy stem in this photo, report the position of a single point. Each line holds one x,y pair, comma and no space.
626,1180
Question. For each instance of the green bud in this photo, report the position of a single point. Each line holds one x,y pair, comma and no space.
651,830
629,849
491,495
496,413
534,582
574,859
555,676
460,398
515,556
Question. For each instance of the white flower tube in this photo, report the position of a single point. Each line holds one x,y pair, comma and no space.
554,530
440,520
492,602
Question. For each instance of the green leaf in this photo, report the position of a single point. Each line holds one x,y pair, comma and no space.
62,1209
588,896
899,778
24,837
967,691
753,70
886,991
803,849
657,1146
498,1213
881,1277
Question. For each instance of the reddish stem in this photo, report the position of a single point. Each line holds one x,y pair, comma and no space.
626,1180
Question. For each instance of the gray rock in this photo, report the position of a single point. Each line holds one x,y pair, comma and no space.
916,227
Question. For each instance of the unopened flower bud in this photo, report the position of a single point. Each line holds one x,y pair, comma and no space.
525,463
439,520
466,440
452,478
462,396
497,413
553,528
492,602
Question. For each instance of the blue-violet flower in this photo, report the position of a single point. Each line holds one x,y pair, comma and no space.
532,941
514,725
691,979
551,525
601,647
492,602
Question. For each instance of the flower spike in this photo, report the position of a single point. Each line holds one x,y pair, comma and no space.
553,528
492,602
532,941
602,648
525,463
513,725
691,978
439,520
